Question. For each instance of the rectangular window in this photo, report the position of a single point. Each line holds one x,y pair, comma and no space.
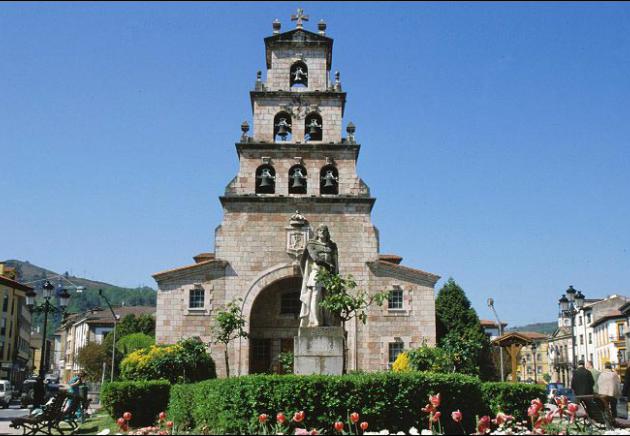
581,339
196,298
540,370
590,338
395,348
580,320
588,318
621,331
395,299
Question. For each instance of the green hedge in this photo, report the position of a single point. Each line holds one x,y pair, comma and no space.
386,400
144,399
511,398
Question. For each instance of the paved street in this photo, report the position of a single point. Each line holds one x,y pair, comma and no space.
6,415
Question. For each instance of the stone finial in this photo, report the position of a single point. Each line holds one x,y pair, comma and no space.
321,26
276,26
351,128
259,85
337,81
244,129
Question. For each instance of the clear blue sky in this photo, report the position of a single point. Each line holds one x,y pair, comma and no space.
495,136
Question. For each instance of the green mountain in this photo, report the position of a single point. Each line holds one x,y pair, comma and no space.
546,328
83,292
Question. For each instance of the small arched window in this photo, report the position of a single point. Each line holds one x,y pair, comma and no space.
329,180
297,180
313,127
265,180
299,74
282,127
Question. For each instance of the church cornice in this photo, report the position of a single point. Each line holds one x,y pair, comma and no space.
381,267
297,201
310,147
253,95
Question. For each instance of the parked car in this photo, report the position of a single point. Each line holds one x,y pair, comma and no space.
6,393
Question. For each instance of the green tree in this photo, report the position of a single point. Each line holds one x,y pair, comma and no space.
345,302
91,358
459,332
129,325
229,325
132,342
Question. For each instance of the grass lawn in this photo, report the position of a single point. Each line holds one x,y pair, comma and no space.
98,422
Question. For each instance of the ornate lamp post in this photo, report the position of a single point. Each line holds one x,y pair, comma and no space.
570,304
45,307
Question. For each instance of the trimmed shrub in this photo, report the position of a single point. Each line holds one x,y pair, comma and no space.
511,398
386,400
144,399
180,405
185,362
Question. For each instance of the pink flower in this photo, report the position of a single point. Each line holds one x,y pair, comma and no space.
436,416
298,416
502,418
434,400
302,431
483,425
457,416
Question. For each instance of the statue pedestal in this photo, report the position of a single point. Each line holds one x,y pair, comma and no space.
318,350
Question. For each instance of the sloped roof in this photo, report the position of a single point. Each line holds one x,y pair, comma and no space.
13,284
611,314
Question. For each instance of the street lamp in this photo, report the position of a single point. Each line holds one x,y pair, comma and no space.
491,306
534,346
570,304
100,292
46,307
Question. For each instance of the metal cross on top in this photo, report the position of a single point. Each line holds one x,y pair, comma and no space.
299,17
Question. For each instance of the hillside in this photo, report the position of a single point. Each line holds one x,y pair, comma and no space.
546,328
81,299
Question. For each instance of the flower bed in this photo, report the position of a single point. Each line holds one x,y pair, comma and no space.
385,400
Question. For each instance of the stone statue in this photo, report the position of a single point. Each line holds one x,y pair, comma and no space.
319,253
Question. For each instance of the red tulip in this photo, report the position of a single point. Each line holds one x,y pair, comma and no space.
127,416
572,408
281,418
298,416
363,425
120,422
354,417
162,416
169,424
434,400
263,418
457,416
483,424
339,426
428,409
436,416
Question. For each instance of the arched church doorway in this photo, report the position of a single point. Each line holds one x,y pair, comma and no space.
274,322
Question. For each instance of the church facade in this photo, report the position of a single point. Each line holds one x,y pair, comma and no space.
297,171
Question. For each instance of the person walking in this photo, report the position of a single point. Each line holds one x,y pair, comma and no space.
582,382
591,368
609,385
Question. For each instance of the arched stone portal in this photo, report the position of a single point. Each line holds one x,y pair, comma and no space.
274,322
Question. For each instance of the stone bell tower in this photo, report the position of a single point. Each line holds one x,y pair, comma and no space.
296,171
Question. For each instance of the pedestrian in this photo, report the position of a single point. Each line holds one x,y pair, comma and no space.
582,381
595,373
609,385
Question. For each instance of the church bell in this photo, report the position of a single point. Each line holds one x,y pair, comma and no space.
329,179
266,179
297,177
283,131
